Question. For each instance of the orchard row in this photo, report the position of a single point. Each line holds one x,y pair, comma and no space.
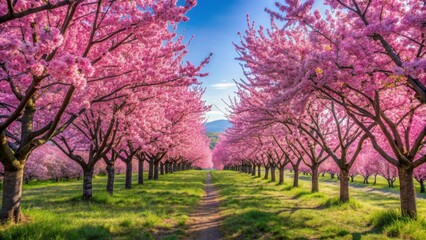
340,89
97,81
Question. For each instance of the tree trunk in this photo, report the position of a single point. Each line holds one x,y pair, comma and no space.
375,179
296,178
253,170
407,192
344,185
166,168
110,181
365,180
129,171
332,175
175,167
87,184
352,178
281,175
273,174
151,170
161,168
12,192
315,183
422,186
258,171
156,171
140,171
266,173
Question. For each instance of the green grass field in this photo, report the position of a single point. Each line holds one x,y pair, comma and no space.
147,211
252,209
258,209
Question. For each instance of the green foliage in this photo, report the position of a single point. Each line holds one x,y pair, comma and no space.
56,210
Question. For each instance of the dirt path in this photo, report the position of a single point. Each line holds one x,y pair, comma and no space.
204,223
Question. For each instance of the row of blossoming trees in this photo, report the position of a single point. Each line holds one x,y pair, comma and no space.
341,90
96,80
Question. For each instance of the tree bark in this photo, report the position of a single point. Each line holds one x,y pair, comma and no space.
315,183
12,193
161,168
140,171
266,173
422,186
407,192
253,170
110,181
151,169
296,178
156,171
258,171
281,176
166,168
365,180
344,185
129,172
272,174
87,184
175,169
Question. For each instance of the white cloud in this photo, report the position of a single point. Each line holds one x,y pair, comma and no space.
215,113
221,86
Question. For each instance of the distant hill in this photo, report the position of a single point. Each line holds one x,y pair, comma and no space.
217,126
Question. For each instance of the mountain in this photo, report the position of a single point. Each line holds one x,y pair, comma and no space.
217,126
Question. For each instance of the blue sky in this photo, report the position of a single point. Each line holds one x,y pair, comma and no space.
214,25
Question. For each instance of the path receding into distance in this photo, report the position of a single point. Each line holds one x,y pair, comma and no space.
205,222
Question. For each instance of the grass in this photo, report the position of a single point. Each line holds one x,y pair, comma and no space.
258,209
157,208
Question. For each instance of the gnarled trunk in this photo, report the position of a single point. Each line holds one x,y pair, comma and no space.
110,181
87,183
140,171
273,174
156,171
344,185
12,193
315,183
129,171
151,169
281,176
258,171
266,173
296,177
407,192
175,168
166,168
161,168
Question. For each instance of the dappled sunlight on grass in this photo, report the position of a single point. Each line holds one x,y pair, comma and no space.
258,209
56,210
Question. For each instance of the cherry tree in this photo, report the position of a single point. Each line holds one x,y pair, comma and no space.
53,57
367,57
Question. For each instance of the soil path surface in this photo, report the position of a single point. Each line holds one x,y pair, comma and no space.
205,222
